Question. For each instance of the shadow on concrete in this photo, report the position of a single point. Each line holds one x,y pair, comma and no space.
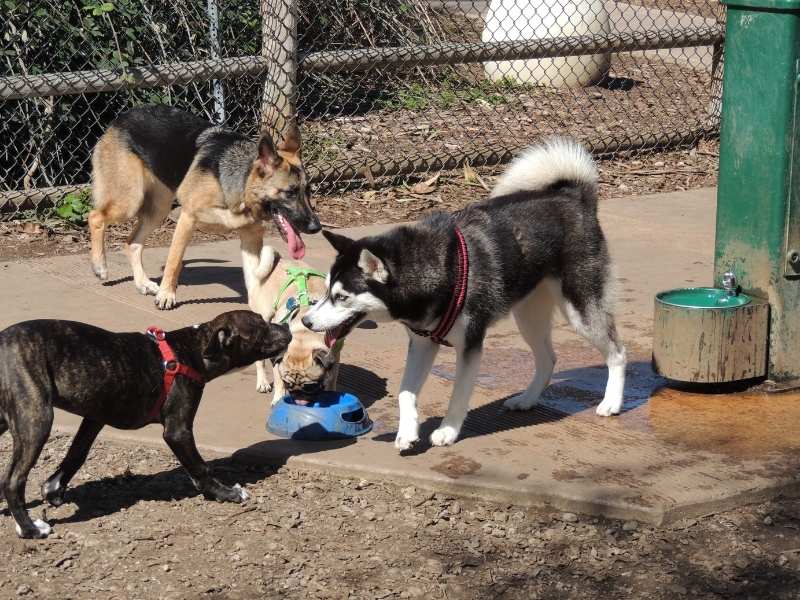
246,466
361,382
571,392
231,277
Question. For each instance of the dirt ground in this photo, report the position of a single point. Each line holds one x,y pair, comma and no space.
134,527
650,173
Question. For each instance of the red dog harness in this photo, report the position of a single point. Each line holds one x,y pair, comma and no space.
172,368
456,300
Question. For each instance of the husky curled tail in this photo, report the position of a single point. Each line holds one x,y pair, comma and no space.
541,166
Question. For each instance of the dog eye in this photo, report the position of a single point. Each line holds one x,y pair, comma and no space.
340,298
292,191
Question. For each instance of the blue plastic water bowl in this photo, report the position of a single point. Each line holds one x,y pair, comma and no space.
329,416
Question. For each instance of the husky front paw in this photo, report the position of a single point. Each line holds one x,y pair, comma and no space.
147,288
407,434
165,300
609,407
405,442
444,436
39,530
264,387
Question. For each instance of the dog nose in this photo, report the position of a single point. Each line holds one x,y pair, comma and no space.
314,226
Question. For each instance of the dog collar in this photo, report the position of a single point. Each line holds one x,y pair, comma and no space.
172,368
447,321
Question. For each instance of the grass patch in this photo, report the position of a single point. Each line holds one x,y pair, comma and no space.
449,93
323,148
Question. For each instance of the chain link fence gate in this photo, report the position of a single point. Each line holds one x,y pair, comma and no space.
382,88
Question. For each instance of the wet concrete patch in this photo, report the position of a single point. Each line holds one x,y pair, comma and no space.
456,466
744,425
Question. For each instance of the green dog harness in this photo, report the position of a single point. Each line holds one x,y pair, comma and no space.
299,278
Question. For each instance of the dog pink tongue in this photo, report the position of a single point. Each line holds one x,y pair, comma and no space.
297,249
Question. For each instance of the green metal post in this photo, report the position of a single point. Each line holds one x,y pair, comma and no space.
758,204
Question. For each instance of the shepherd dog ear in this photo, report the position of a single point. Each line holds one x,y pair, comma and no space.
268,159
290,144
218,343
340,243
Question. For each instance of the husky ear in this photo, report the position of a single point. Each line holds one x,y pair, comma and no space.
340,243
291,139
268,158
372,266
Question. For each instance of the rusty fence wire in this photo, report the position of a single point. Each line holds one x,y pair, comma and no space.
382,88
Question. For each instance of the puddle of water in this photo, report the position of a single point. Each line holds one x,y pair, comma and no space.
741,425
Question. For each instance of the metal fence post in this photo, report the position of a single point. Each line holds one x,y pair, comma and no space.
279,48
213,34
758,203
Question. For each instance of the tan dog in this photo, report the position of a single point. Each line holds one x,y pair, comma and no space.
282,292
222,180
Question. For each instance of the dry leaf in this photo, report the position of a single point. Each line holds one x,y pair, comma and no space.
32,228
470,176
425,187
369,176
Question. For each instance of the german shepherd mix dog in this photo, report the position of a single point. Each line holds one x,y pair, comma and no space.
125,380
536,244
222,180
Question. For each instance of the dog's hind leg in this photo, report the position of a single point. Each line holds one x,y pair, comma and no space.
117,190
29,432
154,210
53,489
595,322
533,316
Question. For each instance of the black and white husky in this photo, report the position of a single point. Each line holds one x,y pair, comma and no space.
534,245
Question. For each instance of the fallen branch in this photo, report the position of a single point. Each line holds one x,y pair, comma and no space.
653,173
233,517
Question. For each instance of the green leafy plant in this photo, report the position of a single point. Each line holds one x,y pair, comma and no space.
99,8
74,207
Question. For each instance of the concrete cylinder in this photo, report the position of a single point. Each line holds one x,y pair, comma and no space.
547,19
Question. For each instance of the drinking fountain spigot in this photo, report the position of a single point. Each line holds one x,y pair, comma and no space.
729,283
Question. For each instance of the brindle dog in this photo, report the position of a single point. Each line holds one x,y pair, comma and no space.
114,379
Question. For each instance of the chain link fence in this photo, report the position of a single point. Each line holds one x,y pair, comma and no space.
382,88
